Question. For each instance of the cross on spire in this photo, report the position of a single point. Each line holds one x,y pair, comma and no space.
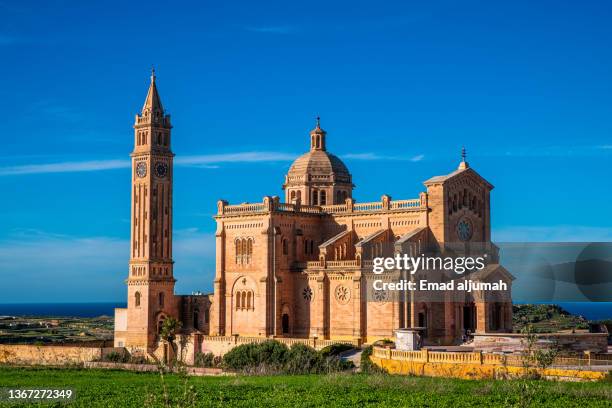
464,164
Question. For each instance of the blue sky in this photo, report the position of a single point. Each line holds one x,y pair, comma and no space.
400,87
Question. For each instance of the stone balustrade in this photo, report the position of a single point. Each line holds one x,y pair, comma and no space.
479,357
349,263
272,204
220,345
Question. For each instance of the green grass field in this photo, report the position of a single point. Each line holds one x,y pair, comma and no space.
102,388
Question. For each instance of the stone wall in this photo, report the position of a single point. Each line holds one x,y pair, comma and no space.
567,342
50,355
219,345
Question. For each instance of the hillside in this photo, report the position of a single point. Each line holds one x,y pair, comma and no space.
546,318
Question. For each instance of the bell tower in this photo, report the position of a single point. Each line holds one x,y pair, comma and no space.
150,280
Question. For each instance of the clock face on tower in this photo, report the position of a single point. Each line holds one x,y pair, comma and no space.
161,169
465,229
141,169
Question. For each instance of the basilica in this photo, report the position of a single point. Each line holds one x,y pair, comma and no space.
300,266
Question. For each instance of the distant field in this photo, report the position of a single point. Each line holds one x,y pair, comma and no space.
98,388
50,330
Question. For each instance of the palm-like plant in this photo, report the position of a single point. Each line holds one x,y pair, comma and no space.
168,332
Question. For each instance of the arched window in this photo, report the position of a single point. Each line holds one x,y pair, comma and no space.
465,197
237,300
196,319
249,295
292,196
249,250
305,247
244,304
238,245
455,202
323,197
311,247
137,299
161,299
315,197
299,195
285,247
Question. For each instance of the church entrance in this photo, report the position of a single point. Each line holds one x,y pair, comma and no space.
285,323
469,318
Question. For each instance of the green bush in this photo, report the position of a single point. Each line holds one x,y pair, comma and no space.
207,360
302,359
270,355
274,357
116,357
335,349
367,366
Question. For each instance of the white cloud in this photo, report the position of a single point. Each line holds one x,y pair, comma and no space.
241,157
559,233
64,167
202,161
376,156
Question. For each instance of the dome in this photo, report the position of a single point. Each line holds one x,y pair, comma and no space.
319,163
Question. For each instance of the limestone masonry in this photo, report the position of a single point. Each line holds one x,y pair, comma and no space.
300,267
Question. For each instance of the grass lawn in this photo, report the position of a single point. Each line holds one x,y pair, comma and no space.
104,388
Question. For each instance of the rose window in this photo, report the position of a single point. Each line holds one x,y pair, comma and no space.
343,294
307,293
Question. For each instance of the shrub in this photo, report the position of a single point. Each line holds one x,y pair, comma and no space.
207,360
274,357
116,357
367,366
302,359
269,354
385,343
335,349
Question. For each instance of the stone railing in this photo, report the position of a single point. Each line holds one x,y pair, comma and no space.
243,208
343,264
273,204
478,357
401,204
349,263
232,341
375,206
336,208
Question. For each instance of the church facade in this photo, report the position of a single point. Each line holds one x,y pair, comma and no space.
301,266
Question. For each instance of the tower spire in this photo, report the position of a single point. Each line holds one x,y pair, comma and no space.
152,102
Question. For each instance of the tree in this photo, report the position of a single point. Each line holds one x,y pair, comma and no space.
170,327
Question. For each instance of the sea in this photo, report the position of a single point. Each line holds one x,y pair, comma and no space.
589,310
60,309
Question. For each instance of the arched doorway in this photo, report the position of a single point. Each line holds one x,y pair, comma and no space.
196,319
285,323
